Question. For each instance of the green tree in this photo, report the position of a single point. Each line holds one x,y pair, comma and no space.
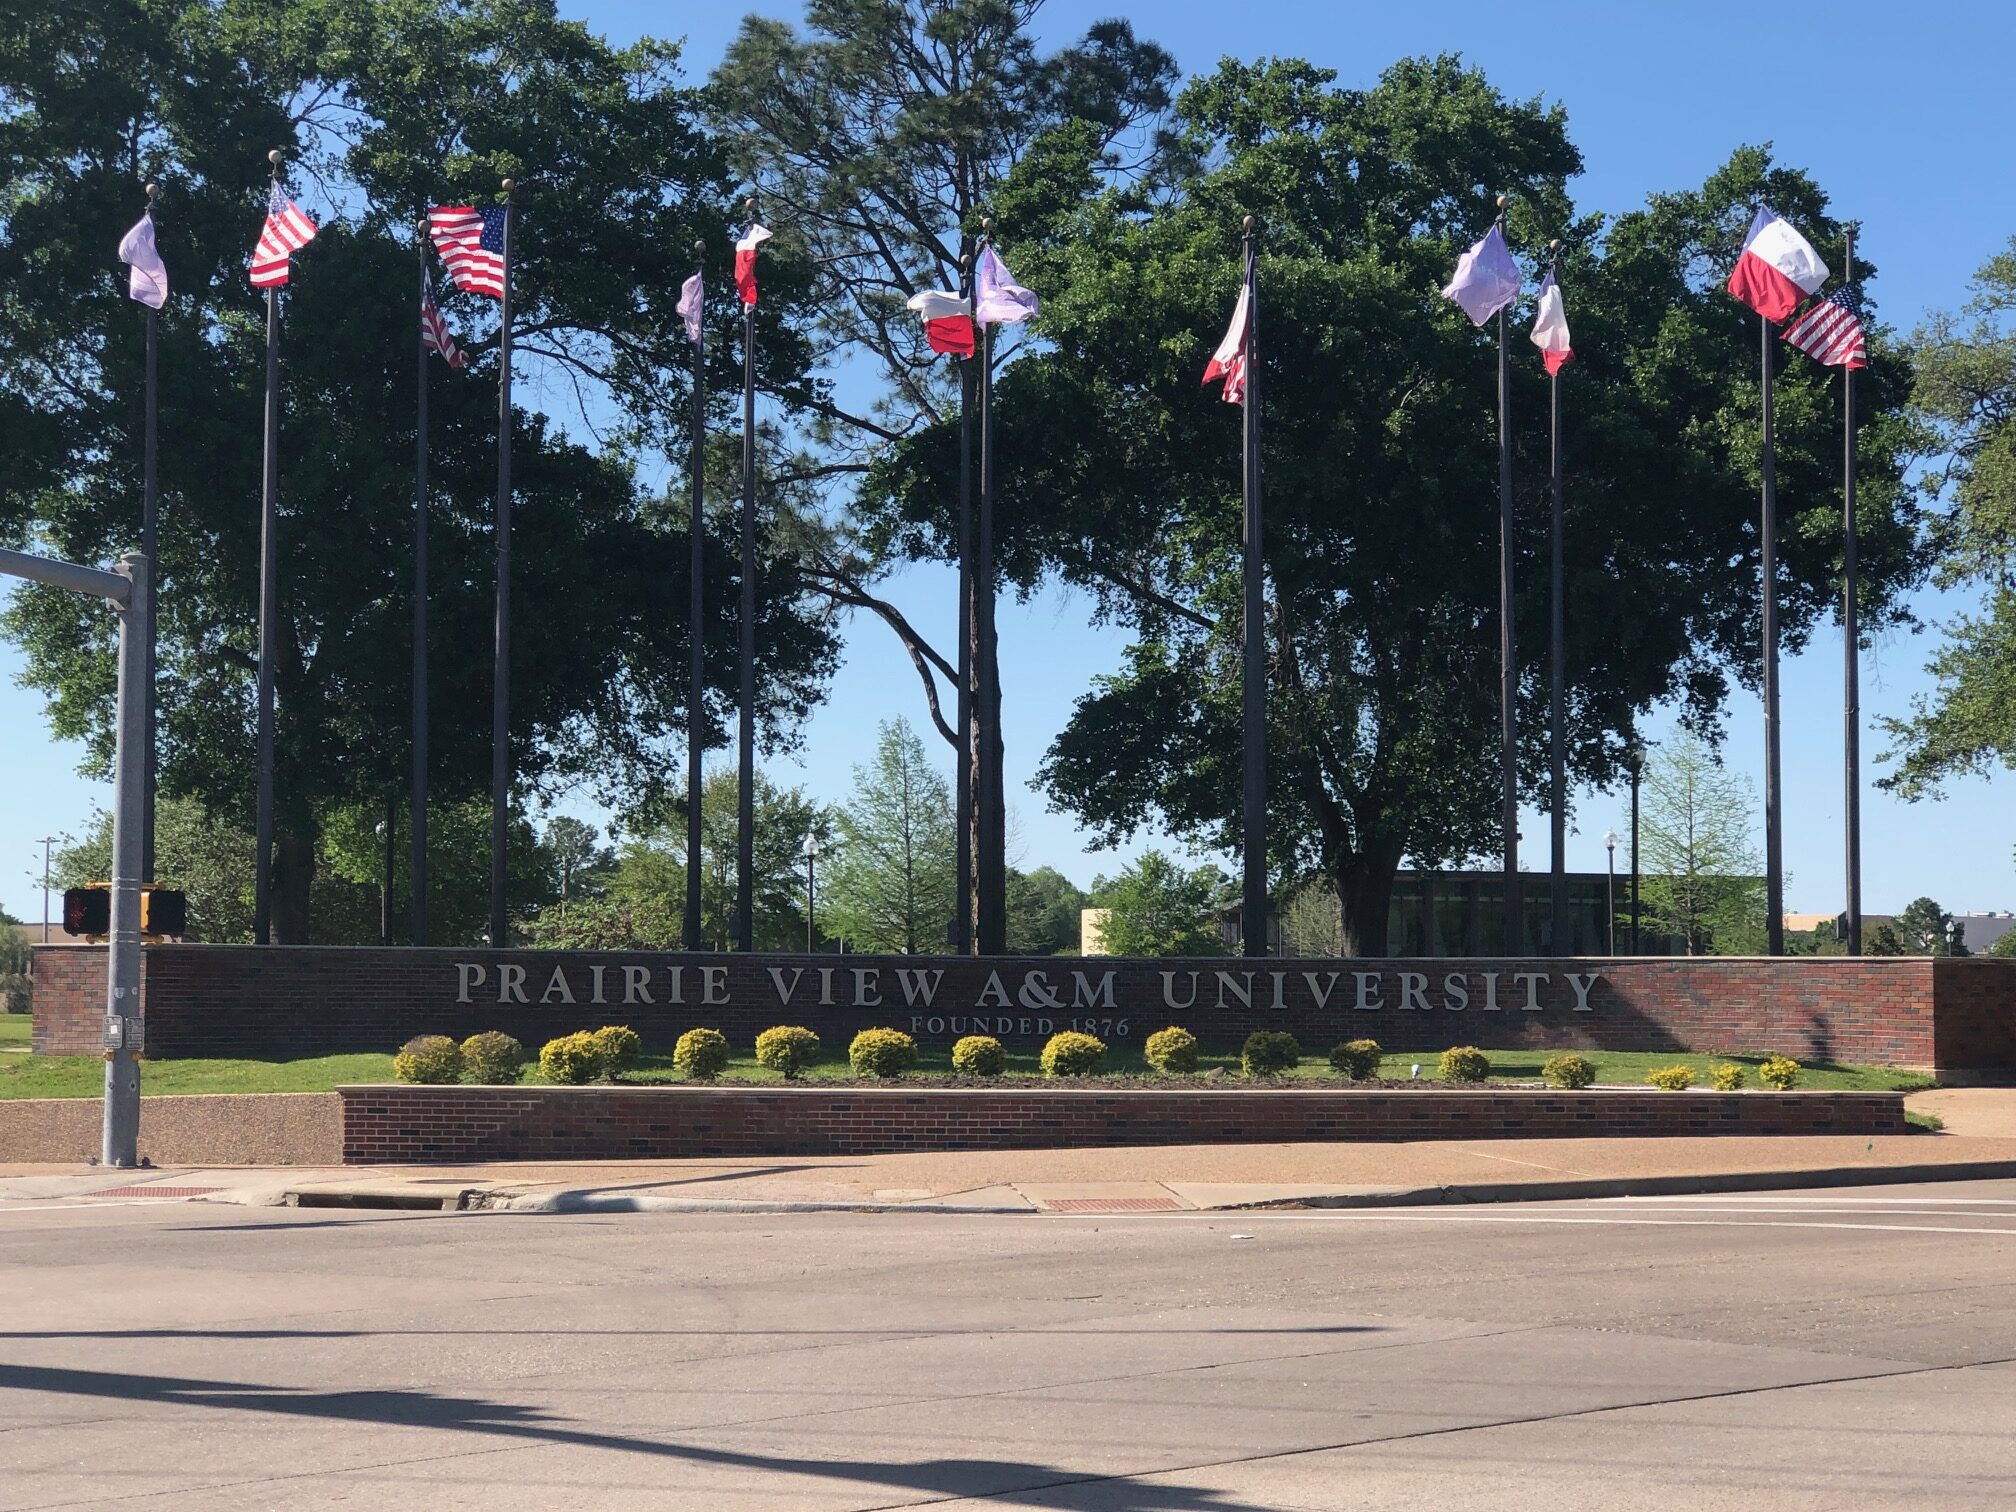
15,954
1380,464
1883,939
384,108
1154,907
1927,929
1043,912
583,862
890,881
1702,881
208,858
2005,944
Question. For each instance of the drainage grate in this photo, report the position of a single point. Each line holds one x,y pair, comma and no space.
156,1191
1113,1205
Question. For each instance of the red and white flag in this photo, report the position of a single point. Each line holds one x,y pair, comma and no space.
434,333
1778,267
286,232
948,321
1229,361
1550,326
745,260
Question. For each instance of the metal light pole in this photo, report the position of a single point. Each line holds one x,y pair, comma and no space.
1636,757
811,849
47,841
1610,896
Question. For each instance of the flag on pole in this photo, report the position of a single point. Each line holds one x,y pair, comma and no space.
692,304
149,280
998,299
948,321
1487,279
745,260
1229,361
286,232
434,329
471,244
1778,267
1550,326
1831,330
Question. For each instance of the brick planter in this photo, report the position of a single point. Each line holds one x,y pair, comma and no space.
398,1123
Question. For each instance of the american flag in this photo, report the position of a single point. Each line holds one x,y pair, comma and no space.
1831,330
434,331
471,244
286,231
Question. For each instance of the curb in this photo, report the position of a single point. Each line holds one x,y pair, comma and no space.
589,1202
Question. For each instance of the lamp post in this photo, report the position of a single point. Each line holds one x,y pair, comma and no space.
811,849
1610,896
47,841
1636,757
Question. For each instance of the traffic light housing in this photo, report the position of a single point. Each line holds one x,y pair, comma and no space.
87,911
164,911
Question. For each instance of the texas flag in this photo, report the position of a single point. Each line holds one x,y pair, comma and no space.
1550,326
1778,267
745,260
1229,361
948,321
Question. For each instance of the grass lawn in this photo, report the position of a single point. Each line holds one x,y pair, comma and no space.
14,1028
83,1075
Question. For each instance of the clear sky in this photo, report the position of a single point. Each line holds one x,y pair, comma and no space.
1901,113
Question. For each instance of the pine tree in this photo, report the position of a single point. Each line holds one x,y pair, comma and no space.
890,883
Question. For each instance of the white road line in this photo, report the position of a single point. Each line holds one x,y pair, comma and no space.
1370,1216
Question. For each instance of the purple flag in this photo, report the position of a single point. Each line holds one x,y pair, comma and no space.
1487,279
998,299
690,302
149,283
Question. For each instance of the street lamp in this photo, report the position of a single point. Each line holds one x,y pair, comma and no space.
1634,756
811,850
1610,895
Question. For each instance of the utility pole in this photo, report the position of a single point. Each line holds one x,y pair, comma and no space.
47,841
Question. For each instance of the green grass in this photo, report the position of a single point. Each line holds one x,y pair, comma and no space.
14,1029
83,1075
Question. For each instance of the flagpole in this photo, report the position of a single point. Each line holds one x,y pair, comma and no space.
962,922
149,542
696,608
745,758
1253,634
1557,662
417,865
1508,715
1851,707
1774,876
500,684
269,604
990,879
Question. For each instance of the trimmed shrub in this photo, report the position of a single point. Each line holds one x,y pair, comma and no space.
1269,1052
1072,1054
1780,1072
788,1049
1571,1072
491,1059
429,1058
1357,1059
617,1045
1466,1065
1171,1051
1672,1078
571,1059
886,1053
979,1055
1726,1077
701,1054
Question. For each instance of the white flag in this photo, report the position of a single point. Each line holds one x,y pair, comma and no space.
1487,279
149,283
690,305
1550,326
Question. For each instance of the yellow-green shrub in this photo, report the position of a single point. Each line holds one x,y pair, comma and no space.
617,1045
1780,1072
1357,1059
788,1049
1172,1051
1726,1077
979,1055
1465,1064
571,1059
1569,1071
885,1053
1269,1052
1672,1078
1072,1054
491,1058
429,1058
701,1054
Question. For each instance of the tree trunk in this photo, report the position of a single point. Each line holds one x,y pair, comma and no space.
1364,886
294,844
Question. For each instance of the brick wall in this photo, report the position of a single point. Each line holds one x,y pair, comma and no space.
401,1124
209,1000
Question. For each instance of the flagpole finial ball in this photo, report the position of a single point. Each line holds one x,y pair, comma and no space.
699,249
1554,245
1502,200
152,190
509,185
1246,224
273,157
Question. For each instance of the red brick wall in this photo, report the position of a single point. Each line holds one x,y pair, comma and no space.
213,1000
402,1124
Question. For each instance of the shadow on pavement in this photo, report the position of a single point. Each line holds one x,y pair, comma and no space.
656,1333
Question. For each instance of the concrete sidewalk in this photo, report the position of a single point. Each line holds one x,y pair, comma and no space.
1980,1143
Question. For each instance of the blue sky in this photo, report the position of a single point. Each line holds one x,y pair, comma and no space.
1900,112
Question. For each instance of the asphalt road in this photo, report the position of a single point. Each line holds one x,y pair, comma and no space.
1826,1350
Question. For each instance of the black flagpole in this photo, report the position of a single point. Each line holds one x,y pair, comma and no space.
1851,708
1557,664
1774,875
962,922
417,865
696,608
1508,666
269,606
990,870
745,758
1253,635
149,541
500,687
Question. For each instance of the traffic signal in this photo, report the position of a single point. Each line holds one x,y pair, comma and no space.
164,911
87,911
